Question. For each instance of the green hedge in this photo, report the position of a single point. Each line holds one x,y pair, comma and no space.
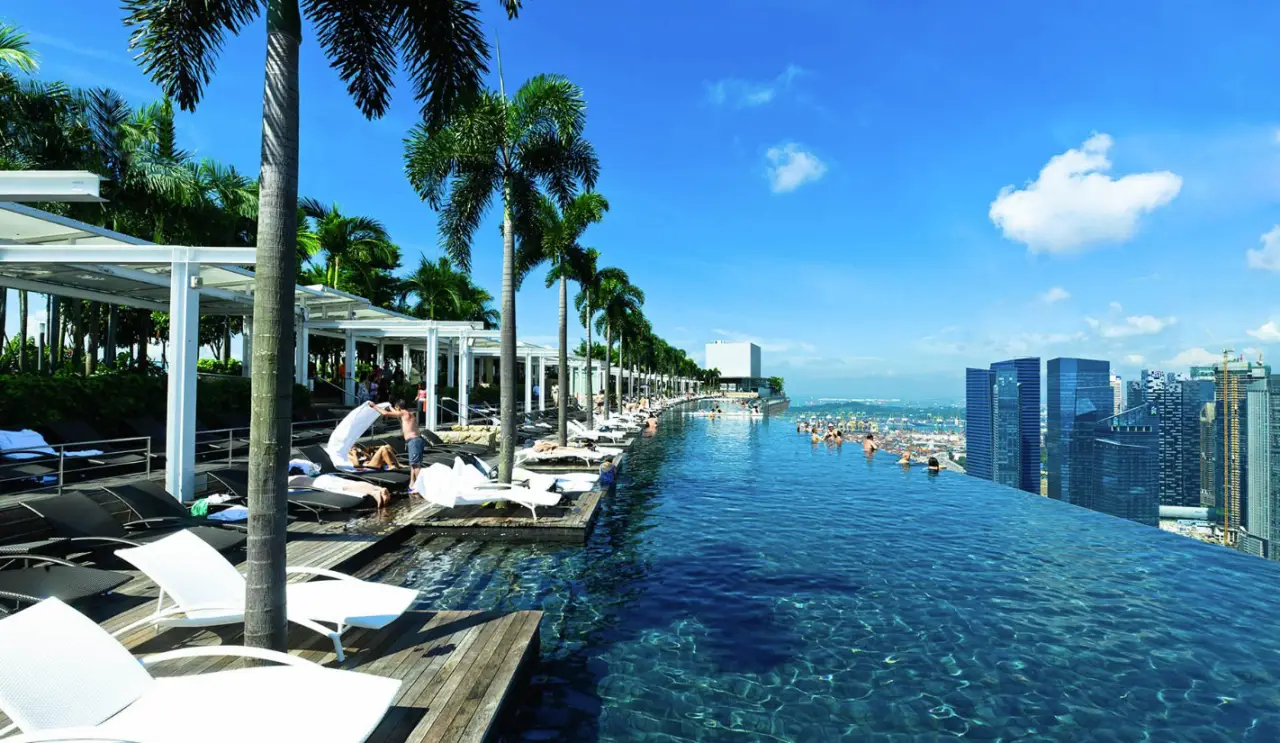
105,400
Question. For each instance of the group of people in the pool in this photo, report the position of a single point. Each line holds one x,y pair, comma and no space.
835,436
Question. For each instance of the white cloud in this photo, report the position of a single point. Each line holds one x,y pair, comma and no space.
1268,333
1136,325
1193,357
1074,203
1135,359
1266,258
1056,294
1116,307
739,93
791,166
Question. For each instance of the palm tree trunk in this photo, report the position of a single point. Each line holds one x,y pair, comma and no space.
22,330
59,330
507,374
591,402
91,326
621,369
608,346
77,338
144,341
4,305
562,371
226,342
265,623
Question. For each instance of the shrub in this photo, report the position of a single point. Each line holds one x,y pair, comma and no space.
106,400
215,366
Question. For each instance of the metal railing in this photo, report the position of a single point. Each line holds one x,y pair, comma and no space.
53,465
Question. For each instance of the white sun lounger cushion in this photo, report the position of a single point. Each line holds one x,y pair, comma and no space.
79,683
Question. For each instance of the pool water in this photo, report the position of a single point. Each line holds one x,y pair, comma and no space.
746,585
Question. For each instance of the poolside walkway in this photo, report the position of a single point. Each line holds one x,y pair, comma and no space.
459,669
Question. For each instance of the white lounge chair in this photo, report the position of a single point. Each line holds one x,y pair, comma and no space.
64,678
567,482
208,591
579,431
588,456
464,485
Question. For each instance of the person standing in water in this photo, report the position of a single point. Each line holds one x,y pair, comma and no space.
869,444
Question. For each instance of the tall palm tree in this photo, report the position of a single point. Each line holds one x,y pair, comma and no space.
555,241
356,243
514,147
617,298
442,45
591,278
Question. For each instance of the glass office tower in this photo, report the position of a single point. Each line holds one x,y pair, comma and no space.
1007,429
1126,463
1079,394
1027,373
979,384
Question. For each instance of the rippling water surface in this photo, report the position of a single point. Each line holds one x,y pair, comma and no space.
743,584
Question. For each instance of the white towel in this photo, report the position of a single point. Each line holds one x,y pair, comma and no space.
348,431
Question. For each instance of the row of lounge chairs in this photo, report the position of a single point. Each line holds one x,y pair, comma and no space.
65,678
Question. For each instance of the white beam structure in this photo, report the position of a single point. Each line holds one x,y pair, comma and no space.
542,383
184,352
528,382
433,376
246,348
349,368
465,372
49,185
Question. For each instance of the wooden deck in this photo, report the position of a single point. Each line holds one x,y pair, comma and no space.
571,521
460,670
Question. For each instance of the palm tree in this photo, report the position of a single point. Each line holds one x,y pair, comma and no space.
512,147
591,278
617,298
445,293
14,50
361,243
444,49
556,242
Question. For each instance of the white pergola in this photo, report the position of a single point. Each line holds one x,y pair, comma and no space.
54,255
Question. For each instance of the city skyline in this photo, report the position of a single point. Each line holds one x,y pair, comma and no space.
1080,218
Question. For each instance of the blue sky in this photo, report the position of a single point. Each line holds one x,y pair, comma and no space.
879,193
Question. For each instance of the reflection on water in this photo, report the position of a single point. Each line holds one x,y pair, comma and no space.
744,584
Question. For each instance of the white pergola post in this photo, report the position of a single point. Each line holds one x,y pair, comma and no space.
433,375
451,367
246,348
464,380
542,383
184,340
528,382
382,354
349,363
404,360
300,349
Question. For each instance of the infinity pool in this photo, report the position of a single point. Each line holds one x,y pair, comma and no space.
745,585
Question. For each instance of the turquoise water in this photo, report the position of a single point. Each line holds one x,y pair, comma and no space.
744,585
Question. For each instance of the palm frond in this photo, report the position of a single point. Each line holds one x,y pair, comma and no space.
16,52
179,40
549,103
443,45
357,39
469,198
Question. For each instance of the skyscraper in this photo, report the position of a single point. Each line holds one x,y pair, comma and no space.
1117,389
978,387
1126,465
1027,373
1134,395
1256,539
1079,394
1007,429
1002,423
1196,395
1232,381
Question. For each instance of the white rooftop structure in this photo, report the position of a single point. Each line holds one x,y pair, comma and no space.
50,254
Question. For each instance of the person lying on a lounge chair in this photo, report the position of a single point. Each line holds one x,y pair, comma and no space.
336,484
382,458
